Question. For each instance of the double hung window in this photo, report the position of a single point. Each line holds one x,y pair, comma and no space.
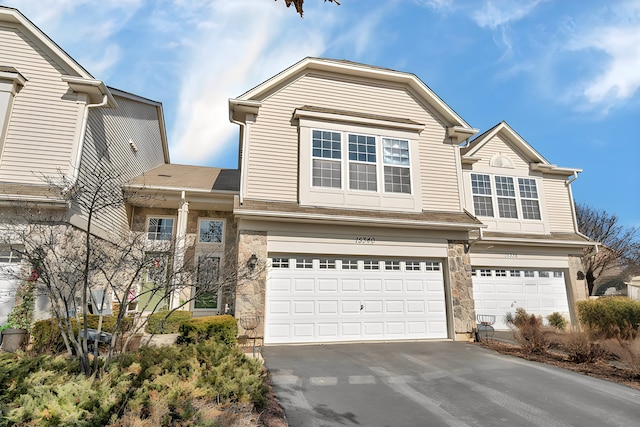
364,163
160,228
327,159
210,231
501,191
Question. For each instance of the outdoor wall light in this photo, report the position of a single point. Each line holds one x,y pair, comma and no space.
252,262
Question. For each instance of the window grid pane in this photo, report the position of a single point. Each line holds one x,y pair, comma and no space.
280,263
485,272
392,265
505,187
349,264
362,148
11,256
395,151
160,229
558,274
327,173
514,273
501,273
529,198
362,176
304,263
528,188
412,266
530,209
507,208
327,264
506,192
371,265
480,184
210,231
326,145
432,266
397,180
529,273
482,206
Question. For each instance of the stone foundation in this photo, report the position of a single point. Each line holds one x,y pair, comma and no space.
251,286
576,288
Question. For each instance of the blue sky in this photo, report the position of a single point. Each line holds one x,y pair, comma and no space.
563,73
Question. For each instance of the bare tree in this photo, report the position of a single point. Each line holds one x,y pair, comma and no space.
620,245
298,4
82,270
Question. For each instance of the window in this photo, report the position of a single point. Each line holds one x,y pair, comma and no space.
558,274
432,266
327,264
412,266
210,231
397,176
327,163
12,256
371,265
543,273
349,264
160,228
280,263
514,273
362,163
529,273
392,265
207,283
506,194
501,273
481,188
485,273
304,263
529,198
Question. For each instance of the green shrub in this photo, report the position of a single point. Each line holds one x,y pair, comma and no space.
109,323
167,322
557,321
610,317
222,328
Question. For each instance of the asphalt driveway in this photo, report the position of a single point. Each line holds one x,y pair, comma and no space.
438,384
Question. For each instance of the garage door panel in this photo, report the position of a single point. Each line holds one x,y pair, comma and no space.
327,304
540,293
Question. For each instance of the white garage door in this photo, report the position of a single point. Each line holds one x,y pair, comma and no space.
498,292
9,267
313,299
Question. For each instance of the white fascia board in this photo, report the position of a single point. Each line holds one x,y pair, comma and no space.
360,70
96,89
389,222
38,200
512,135
177,189
14,16
553,169
534,242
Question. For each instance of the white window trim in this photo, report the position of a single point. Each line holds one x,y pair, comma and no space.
345,162
146,228
224,230
518,197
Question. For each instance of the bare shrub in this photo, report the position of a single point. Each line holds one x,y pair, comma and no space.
627,351
528,332
580,348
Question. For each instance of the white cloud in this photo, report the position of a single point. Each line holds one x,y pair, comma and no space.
496,13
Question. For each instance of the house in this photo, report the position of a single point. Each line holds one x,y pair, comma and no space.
363,206
58,122
380,217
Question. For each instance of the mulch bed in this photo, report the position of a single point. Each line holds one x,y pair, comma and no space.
600,369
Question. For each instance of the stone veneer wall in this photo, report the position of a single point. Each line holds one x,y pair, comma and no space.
461,291
576,289
251,286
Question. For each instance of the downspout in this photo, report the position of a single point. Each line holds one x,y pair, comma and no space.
83,132
178,263
243,157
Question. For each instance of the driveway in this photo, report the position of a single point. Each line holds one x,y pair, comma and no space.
438,384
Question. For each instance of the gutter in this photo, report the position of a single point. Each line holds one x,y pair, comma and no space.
243,158
83,132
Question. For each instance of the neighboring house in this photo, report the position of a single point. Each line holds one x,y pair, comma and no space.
362,209
57,121
379,221
633,288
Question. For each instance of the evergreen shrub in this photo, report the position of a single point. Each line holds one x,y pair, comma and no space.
222,328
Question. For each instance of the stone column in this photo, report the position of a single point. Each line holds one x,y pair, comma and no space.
576,288
251,287
461,291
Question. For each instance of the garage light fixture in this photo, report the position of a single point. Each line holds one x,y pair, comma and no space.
252,262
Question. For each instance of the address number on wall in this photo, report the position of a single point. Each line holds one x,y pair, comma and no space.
361,240
511,256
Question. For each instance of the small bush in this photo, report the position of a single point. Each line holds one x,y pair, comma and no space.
167,322
46,337
557,321
109,323
580,349
221,328
528,331
627,351
610,317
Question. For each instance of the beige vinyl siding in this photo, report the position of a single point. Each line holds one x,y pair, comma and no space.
107,139
273,154
498,145
558,204
42,130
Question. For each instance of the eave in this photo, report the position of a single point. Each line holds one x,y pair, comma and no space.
95,89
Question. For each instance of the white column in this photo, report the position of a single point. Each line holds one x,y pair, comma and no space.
178,261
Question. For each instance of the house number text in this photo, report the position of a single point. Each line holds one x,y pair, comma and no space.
511,256
361,240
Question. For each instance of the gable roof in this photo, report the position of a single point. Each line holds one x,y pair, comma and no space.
362,70
537,161
79,79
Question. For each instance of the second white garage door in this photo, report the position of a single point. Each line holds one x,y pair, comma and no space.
313,299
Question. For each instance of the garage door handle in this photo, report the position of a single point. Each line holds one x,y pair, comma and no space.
361,307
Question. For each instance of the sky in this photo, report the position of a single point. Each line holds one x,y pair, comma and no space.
565,74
